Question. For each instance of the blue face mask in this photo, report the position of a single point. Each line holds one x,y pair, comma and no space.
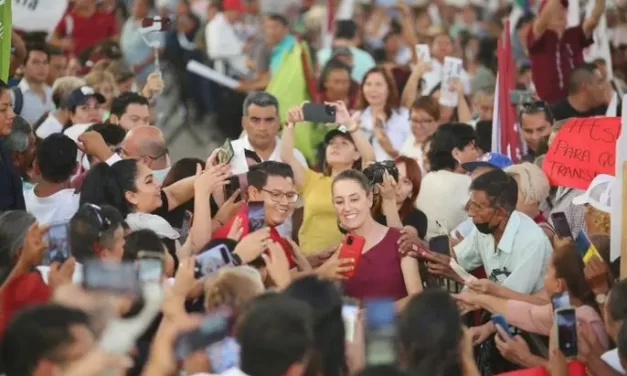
160,174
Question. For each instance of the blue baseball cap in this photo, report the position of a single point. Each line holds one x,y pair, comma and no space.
493,160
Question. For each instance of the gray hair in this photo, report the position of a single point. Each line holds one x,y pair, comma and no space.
532,182
261,99
13,227
64,86
18,140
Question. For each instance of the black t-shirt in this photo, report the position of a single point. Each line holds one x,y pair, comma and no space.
563,110
415,218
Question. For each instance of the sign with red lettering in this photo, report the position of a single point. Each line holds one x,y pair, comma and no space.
581,150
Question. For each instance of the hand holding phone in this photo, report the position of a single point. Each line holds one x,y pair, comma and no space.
499,320
187,223
150,266
226,153
352,246
461,272
212,260
214,328
380,332
117,278
256,216
440,244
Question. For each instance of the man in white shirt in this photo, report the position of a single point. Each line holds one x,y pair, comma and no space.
52,201
262,125
56,120
225,39
32,97
147,144
94,233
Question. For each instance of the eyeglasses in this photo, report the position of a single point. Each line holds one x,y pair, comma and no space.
276,196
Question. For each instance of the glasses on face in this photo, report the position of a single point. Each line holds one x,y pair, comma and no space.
422,122
277,196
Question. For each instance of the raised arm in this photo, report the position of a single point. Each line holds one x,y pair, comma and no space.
294,115
592,21
542,21
410,92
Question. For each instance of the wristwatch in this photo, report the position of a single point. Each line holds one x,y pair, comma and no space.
601,298
237,261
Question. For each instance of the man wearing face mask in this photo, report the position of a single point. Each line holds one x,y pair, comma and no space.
511,247
148,145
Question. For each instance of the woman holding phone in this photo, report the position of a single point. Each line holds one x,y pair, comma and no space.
345,147
381,271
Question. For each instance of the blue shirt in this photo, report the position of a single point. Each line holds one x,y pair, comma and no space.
362,61
134,48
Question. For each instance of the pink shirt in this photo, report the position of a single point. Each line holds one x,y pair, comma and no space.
539,319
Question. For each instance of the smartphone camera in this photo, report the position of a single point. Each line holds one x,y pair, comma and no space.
330,110
349,240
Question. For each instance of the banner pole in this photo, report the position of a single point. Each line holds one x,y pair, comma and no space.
623,230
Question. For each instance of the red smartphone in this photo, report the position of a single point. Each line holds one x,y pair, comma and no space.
352,246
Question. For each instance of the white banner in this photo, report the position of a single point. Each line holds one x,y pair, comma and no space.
617,221
38,15
452,69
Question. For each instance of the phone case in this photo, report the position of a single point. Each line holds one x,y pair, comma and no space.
352,246
500,321
318,113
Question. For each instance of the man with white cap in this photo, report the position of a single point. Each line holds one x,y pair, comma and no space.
597,204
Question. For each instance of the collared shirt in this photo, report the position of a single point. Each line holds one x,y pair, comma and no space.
284,229
518,261
397,129
33,106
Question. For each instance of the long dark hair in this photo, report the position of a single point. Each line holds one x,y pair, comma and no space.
106,185
392,102
430,331
569,266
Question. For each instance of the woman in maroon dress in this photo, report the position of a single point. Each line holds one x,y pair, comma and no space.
381,271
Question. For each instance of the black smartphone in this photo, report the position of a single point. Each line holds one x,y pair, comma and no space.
560,300
566,321
256,216
440,244
214,328
150,266
380,328
562,228
212,260
226,153
319,113
119,278
58,246
187,222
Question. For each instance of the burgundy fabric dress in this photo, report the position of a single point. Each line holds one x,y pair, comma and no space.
378,274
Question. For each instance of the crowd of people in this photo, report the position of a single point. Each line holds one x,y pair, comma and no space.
392,240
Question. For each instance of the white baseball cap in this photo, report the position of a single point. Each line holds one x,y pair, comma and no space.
598,194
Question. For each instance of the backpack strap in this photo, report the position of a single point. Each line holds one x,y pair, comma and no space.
18,100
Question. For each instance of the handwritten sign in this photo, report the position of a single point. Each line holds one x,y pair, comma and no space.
582,149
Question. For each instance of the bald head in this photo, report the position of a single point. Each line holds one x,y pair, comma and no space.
148,145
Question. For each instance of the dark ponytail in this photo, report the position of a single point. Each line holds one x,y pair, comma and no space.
106,185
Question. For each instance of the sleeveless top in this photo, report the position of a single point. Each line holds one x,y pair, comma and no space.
379,274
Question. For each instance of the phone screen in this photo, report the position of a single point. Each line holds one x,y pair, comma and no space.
226,152
58,246
212,260
214,328
150,269
560,300
119,278
566,320
256,216
440,244
561,225
224,355
380,332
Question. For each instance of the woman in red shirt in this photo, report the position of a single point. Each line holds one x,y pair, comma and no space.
381,271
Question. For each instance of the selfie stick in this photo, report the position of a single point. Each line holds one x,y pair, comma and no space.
156,44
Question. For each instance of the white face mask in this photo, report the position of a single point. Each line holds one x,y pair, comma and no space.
160,174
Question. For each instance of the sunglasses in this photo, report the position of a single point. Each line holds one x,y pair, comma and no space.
104,223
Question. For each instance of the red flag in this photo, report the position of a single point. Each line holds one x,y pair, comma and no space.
508,137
